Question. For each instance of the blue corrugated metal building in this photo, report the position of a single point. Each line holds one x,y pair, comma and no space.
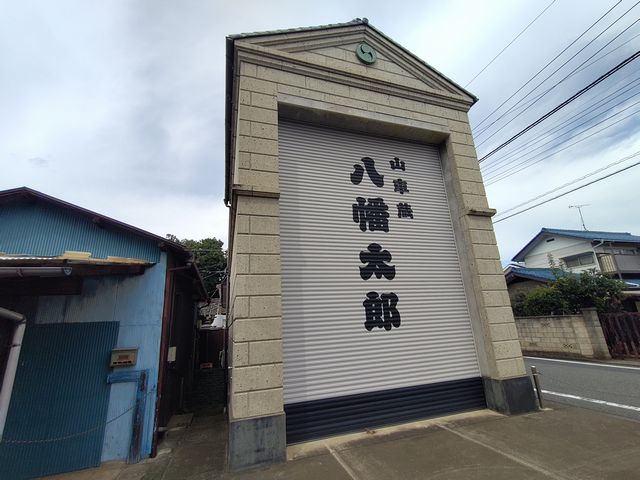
91,290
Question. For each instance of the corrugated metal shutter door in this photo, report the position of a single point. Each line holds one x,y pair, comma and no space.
339,375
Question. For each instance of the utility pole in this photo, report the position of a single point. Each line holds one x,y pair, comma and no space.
580,207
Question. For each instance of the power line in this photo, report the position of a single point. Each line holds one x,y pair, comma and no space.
563,104
535,100
509,44
528,163
561,66
510,171
565,122
496,171
583,68
569,191
548,63
603,56
568,184
520,108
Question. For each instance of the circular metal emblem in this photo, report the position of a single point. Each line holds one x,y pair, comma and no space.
366,54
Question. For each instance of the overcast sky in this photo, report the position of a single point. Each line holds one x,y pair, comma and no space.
118,106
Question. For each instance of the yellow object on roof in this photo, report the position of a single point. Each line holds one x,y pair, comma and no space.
71,255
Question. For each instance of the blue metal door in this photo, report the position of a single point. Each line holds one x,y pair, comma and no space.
58,408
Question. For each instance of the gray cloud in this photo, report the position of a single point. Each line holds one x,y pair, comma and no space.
124,100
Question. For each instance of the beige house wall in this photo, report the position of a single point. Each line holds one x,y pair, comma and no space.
326,88
522,286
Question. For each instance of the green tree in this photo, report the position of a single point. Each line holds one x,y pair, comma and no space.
208,256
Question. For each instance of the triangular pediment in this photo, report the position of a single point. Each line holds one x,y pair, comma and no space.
334,47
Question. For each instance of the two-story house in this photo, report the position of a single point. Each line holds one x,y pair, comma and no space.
613,253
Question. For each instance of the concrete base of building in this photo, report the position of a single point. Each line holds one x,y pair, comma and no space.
257,441
512,396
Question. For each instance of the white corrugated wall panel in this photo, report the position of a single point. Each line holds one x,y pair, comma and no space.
327,350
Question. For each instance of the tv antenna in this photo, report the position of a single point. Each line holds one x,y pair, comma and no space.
580,207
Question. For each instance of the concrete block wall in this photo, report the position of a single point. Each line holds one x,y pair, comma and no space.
268,85
567,335
256,330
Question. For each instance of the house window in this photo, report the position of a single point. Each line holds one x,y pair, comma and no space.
579,260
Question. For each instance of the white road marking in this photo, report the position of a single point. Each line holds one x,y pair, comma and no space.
342,463
501,451
592,400
594,364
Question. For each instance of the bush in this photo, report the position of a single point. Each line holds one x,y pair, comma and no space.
517,304
589,289
570,293
544,301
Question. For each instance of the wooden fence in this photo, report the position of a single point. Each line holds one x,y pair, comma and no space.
622,332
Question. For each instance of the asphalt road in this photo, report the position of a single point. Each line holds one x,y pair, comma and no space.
609,388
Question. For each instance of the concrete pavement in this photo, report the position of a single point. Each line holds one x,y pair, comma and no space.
565,443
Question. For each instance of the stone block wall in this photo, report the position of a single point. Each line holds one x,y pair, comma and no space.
256,329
